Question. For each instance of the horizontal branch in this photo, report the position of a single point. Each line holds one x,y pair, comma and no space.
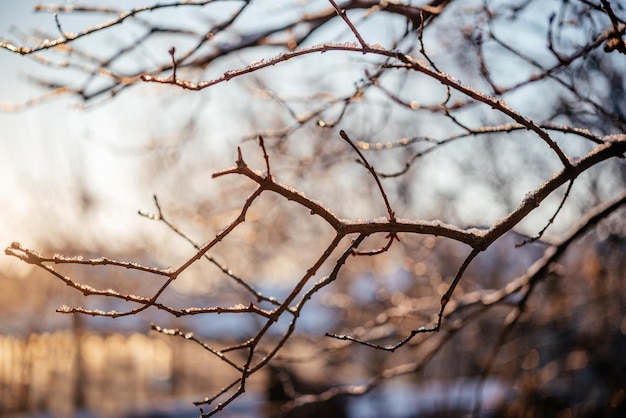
472,237
409,62
32,257
68,37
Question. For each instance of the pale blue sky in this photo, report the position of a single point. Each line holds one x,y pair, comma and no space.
51,149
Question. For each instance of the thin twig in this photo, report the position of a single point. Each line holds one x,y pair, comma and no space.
551,220
366,164
265,157
343,15
172,51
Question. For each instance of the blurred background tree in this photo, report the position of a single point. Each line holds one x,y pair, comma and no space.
426,198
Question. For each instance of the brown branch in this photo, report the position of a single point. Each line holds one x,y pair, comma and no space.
307,296
190,336
33,257
207,256
551,220
537,272
265,157
534,198
552,254
219,237
172,51
410,63
390,239
48,43
390,212
344,17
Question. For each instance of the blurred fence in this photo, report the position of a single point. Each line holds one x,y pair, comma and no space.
62,372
